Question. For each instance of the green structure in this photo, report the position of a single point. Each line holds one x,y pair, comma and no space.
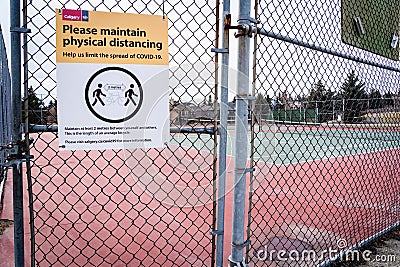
372,25
295,116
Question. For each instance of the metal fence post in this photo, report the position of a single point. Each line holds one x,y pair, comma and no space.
333,110
239,198
343,104
3,101
16,31
26,135
223,138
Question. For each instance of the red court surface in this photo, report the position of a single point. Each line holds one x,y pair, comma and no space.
115,212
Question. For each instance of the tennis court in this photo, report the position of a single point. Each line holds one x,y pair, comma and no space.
168,199
288,144
293,163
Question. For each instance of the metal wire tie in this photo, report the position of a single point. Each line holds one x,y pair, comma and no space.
20,30
252,20
217,232
249,97
243,245
220,50
249,170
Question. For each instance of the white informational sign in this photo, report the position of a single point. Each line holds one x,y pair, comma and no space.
112,80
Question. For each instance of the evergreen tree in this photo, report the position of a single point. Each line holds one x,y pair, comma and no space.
262,107
321,98
375,100
34,107
388,101
351,92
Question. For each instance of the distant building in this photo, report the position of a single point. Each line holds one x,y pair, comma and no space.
188,112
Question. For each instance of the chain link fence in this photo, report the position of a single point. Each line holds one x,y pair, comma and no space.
5,113
325,182
145,207
370,110
323,140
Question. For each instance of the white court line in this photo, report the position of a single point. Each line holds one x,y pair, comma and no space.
322,158
338,148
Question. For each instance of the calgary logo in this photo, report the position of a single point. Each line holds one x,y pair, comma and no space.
75,15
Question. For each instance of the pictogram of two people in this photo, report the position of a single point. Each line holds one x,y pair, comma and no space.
98,94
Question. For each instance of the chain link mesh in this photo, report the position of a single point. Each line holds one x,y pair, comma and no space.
324,143
145,207
5,114
326,134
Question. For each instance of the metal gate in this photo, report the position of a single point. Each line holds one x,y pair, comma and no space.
151,207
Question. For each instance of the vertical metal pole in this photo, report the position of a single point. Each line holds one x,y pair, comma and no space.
333,110
260,117
239,197
285,111
26,132
15,29
300,120
343,109
3,100
223,138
